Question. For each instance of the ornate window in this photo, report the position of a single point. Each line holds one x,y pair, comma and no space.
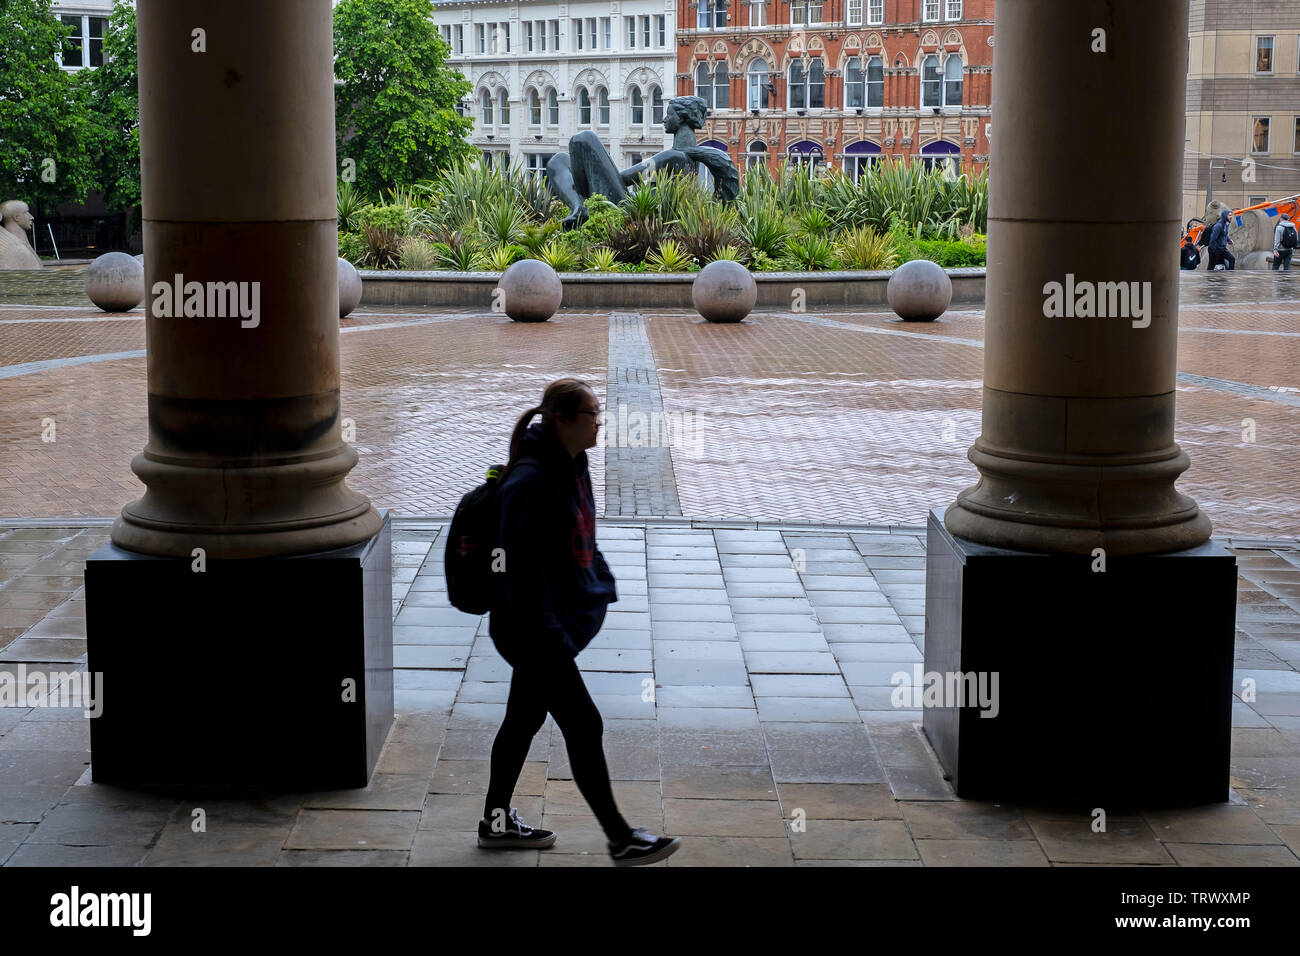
552,107
875,12
485,104
758,88
638,107
853,12
503,108
656,106
534,108
952,81
807,86
756,156
931,83
859,158
954,10
757,13
584,107
714,87
930,10
806,155
602,107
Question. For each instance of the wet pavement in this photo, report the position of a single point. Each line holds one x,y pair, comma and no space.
771,736
824,416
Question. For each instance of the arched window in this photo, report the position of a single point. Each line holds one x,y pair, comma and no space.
807,89
638,107
756,155
534,108
713,87
944,155
758,87
656,106
552,107
602,106
584,107
485,105
503,108
875,83
952,81
859,157
806,154
931,83
854,85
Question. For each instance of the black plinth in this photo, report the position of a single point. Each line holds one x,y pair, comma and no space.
236,676
1114,688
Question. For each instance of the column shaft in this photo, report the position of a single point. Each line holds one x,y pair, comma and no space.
1077,449
245,456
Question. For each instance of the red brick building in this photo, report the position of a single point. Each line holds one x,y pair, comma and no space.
840,82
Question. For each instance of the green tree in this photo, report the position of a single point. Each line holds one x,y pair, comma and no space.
45,125
116,103
395,97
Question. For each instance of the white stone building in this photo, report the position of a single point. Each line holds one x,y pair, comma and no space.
543,70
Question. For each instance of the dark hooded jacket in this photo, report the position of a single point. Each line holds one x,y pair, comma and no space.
1219,233
556,585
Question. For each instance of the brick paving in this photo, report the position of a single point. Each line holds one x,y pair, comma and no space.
770,738
832,416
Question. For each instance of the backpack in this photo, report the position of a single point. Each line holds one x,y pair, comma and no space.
1289,240
471,540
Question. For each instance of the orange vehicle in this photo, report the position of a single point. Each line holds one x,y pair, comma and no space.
1273,210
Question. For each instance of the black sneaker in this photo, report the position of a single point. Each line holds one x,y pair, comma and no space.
516,835
643,847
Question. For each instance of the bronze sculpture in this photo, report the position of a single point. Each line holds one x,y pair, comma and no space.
587,169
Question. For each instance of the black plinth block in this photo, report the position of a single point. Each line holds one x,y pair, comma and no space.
235,676
1114,688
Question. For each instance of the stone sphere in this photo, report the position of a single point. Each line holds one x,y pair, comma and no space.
115,282
349,287
919,291
530,291
724,291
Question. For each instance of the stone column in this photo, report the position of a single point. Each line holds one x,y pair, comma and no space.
1077,450
244,456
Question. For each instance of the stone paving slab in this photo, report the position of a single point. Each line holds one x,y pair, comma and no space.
756,750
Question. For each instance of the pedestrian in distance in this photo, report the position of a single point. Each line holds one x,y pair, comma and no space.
1285,240
549,603
1219,242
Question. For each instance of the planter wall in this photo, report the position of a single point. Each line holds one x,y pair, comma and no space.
646,291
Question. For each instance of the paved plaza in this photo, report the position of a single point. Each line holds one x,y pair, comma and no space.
770,567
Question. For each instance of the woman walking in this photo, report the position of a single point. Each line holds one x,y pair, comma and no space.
551,601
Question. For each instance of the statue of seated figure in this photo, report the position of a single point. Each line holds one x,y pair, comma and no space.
587,169
15,251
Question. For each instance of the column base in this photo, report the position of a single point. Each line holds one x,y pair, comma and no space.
1112,688
263,673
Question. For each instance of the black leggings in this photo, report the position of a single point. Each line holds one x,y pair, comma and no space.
552,683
